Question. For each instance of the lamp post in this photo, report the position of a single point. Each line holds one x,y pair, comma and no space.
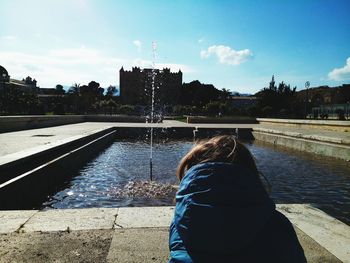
307,85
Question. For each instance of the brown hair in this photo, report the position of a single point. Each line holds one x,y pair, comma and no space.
224,148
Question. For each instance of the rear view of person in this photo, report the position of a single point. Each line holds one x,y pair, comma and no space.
224,214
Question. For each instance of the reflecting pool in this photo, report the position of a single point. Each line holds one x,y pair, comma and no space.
295,177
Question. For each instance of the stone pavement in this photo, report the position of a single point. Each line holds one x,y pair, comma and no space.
21,144
139,234
14,142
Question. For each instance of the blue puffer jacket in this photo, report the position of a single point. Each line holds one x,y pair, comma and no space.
223,214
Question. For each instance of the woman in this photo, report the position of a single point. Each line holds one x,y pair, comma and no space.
223,213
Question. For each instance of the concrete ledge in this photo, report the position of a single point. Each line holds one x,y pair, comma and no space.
12,221
324,229
329,232
29,189
48,148
16,123
340,126
317,147
71,219
204,119
144,217
115,118
314,137
139,245
305,122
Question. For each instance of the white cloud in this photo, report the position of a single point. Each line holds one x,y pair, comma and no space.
63,66
138,44
201,40
340,73
227,55
74,65
8,37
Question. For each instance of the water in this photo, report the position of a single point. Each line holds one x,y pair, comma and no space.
153,77
295,177
97,183
298,177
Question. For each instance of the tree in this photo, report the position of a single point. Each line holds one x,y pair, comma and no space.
74,89
126,109
198,94
273,99
73,99
60,90
111,90
225,94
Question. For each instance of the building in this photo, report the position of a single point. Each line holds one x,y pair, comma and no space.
136,86
11,90
27,85
243,102
4,76
325,95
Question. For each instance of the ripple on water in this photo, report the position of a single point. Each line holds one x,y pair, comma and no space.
295,177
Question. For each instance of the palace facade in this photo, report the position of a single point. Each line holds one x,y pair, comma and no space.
27,85
136,86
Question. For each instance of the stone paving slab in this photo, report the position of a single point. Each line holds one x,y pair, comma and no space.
306,122
135,217
139,245
72,219
11,221
310,134
324,229
56,247
128,245
37,140
142,232
313,251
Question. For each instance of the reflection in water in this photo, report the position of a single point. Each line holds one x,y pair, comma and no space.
295,177
298,177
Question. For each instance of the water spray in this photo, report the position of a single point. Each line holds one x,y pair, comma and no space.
154,46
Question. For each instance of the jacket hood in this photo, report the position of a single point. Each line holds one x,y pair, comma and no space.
220,207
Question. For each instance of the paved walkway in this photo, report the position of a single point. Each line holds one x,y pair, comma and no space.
12,142
15,142
20,144
139,235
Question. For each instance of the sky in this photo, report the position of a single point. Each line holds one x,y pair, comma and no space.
236,45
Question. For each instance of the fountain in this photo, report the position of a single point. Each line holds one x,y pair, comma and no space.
142,188
154,46
124,174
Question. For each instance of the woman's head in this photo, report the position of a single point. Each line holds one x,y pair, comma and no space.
224,148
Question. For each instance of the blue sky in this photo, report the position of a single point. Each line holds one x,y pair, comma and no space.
236,45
